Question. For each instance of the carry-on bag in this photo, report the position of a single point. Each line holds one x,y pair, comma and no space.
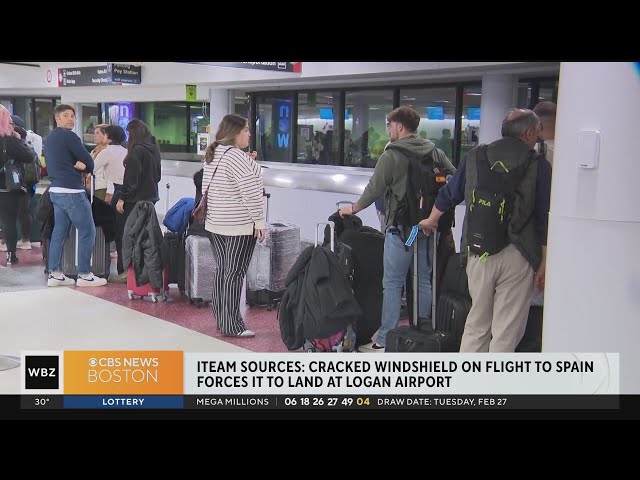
200,266
146,291
344,340
271,261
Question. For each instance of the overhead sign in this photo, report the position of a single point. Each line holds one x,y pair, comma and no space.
124,73
109,74
295,67
84,76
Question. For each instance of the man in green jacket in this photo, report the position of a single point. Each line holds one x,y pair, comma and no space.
390,179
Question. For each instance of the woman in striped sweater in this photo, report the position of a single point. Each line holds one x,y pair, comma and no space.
235,218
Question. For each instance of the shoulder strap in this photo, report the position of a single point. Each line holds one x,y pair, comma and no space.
214,172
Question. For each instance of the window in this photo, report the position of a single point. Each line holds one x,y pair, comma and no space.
365,128
470,124
437,109
317,130
168,123
273,127
45,122
89,121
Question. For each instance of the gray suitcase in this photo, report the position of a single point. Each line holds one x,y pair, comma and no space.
199,267
100,256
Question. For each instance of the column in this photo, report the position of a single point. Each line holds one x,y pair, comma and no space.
592,294
220,105
497,99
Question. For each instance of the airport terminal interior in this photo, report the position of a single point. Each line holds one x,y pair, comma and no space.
312,159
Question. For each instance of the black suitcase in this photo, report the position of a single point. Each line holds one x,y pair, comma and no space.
451,316
174,252
532,339
422,338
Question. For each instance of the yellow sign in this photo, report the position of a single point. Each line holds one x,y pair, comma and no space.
191,93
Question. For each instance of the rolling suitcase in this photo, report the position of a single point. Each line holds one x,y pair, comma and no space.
143,291
200,266
344,340
271,261
454,303
100,256
420,338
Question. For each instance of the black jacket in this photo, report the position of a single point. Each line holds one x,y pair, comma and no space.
142,173
142,245
318,301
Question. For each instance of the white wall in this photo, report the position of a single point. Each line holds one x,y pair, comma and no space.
592,294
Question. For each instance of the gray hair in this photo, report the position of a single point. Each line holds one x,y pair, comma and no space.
519,123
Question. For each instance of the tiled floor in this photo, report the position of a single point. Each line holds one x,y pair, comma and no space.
34,317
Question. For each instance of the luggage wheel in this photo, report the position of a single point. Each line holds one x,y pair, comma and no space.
130,294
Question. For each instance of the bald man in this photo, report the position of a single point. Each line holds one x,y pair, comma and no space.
501,283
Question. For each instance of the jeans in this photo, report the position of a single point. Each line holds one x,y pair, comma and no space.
72,209
397,263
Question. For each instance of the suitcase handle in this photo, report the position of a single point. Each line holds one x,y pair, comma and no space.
268,197
416,295
332,228
348,202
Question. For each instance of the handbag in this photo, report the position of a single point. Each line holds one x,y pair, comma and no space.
199,212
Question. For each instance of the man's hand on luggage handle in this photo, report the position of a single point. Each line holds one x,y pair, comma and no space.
120,206
260,234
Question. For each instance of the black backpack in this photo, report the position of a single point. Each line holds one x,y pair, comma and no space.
424,181
491,207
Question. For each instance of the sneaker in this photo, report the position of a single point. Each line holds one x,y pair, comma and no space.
3,246
245,334
372,347
11,258
120,278
90,280
24,244
59,280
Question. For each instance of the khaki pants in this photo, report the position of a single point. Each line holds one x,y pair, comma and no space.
501,288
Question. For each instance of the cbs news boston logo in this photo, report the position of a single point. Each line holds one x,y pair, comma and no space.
123,372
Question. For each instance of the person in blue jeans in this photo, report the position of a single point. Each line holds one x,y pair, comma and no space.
390,179
66,160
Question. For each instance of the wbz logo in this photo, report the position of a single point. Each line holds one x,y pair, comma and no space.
42,372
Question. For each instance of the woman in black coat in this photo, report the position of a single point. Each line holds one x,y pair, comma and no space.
11,148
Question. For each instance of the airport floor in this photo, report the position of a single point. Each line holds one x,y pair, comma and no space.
35,317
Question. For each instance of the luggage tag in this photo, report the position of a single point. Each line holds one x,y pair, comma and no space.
412,236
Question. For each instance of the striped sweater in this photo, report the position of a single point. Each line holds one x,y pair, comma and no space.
235,203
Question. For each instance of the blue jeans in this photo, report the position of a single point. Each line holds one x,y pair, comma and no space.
68,209
397,263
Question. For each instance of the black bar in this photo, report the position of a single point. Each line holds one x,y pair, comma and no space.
403,402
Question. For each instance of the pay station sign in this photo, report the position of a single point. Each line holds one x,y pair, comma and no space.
109,74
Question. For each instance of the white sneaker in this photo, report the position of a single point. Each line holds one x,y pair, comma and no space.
90,280
23,245
3,246
372,347
59,280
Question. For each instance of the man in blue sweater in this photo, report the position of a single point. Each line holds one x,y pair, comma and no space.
66,160
501,284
